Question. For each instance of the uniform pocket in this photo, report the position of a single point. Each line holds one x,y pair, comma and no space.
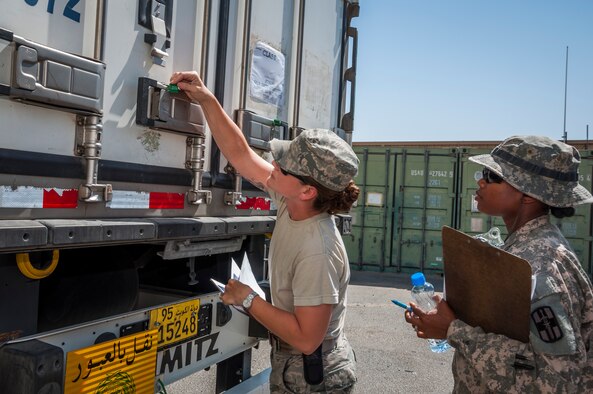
293,377
341,380
339,373
340,370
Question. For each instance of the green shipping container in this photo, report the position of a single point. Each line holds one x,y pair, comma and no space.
407,195
424,203
369,244
409,192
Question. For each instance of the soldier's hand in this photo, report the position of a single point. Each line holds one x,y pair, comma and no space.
235,292
432,324
191,84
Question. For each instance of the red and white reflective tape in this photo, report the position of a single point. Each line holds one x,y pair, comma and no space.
37,197
146,200
257,203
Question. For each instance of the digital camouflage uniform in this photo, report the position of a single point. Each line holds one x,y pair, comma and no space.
339,370
559,355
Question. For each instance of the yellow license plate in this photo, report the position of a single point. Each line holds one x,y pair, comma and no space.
175,322
122,365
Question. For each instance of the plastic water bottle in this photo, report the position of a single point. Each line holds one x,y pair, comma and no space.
492,237
422,293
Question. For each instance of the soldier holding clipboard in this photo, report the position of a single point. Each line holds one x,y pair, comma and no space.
525,180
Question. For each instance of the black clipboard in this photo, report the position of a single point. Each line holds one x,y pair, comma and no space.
486,286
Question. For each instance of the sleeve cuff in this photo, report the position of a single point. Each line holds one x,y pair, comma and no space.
315,301
455,331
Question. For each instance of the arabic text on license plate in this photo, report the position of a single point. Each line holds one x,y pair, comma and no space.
175,322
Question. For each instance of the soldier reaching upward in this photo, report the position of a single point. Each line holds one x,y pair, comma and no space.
310,179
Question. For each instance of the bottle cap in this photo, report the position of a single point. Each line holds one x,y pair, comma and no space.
418,279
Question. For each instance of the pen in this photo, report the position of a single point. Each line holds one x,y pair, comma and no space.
402,305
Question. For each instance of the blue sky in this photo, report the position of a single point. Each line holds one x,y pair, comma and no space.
465,70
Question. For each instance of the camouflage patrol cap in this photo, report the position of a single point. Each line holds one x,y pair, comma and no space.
540,167
319,154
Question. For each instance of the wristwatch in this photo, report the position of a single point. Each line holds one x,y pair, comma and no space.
249,299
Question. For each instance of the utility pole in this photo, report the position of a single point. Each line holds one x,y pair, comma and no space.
565,136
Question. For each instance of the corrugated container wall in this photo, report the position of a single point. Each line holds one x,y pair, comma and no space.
370,240
408,192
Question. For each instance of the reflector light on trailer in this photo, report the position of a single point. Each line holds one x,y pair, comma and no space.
37,197
257,203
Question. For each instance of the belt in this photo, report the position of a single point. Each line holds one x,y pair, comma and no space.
326,346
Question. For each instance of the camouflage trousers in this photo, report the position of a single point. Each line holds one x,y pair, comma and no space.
339,372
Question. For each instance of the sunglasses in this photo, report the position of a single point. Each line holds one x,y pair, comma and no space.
490,176
300,178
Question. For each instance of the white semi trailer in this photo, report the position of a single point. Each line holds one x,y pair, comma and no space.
116,207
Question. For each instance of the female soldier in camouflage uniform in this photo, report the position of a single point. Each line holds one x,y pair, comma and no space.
525,179
310,179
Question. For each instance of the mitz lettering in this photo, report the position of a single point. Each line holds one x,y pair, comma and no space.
184,354
69,11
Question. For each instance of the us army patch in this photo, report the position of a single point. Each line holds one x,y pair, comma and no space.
546,324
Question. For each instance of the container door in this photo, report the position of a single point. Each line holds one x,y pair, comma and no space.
145,41
249,72
424,202
148,129
267,55
50,77
288,63
369,245
102,120
317,101
46,59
